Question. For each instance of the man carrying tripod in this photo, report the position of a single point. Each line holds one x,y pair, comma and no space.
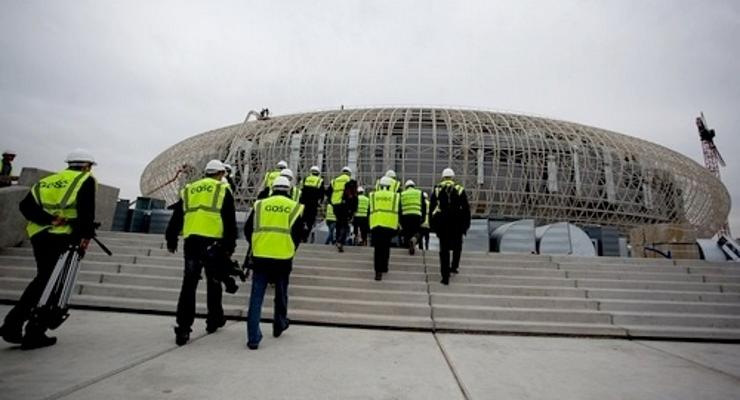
205,215
60,210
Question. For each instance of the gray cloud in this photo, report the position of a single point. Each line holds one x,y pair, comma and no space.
129,79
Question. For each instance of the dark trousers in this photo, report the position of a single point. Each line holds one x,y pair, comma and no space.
361,228
382,247
424,240
309,218
194,263
47,248
342,223
449,243
260,279
410,225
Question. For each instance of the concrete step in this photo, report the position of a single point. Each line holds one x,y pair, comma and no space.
657,332
661,295
465,278
505,290
633,276
513,301
528,327
676,319
647,285
670,307
520,314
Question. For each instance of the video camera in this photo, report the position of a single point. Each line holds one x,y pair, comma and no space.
226,268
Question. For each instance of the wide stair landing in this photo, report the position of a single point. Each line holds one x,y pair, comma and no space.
494,293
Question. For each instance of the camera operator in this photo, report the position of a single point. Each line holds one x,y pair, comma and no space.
205,215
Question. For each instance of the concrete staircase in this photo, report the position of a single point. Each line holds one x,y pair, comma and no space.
494,293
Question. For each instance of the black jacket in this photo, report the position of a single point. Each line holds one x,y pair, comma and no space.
194,242
455,220
83,226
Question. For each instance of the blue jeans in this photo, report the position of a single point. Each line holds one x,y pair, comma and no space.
330,237
260,279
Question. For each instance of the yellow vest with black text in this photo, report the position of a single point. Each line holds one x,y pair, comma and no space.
57,195
273,219
270,178
411,201
384,209
363,206
202,202
313,181
337,188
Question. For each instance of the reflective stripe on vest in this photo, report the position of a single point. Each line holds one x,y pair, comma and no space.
337,188
202,202
273,219
270,178
363,206
57,195
313,181
330,217
437,189
384,209
411,202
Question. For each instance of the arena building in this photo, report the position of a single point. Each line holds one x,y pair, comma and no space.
513,166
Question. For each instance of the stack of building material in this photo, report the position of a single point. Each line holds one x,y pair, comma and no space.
679,240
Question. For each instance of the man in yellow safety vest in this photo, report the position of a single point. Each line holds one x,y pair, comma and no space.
361,223
414,211
273,230
343,198
60,210
312,194
206,217
385,208
270,176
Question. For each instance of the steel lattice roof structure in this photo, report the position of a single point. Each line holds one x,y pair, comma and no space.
512,166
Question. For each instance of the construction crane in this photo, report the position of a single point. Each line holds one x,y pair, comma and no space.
712,158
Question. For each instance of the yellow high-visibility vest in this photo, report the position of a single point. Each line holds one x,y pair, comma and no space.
411,201
384,209
270,178
57,195
202,202
337,187
363,206
330,217
273,219
313,181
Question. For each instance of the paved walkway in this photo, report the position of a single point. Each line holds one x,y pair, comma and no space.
128,356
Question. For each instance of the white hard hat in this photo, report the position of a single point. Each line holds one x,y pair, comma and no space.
360,189
227,167
347,169
315,168
286,172
386,181
282,164
80,156
9,152
409,183
214,166
390,173
448,173
281,183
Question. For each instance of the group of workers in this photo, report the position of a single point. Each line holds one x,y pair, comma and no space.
61,209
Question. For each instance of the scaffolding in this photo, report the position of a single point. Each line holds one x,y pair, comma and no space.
512,166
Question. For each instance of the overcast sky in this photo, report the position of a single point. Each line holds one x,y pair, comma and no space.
127,79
